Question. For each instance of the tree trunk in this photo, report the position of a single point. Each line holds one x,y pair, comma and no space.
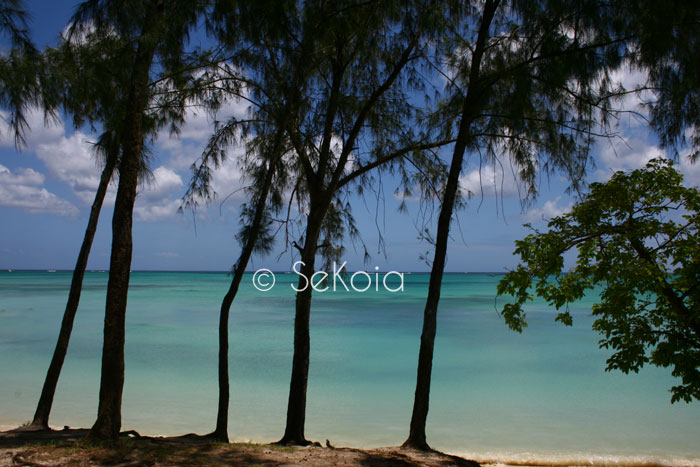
472,101
296,406
416,438
43,409
221,431
108,421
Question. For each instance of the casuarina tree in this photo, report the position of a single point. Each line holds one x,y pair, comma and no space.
528,82
155,29
274,69
75,67
358,116
330,106
20,70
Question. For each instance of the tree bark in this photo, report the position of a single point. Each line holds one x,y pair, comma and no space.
221,431
416,437
108,421
296,406
43,409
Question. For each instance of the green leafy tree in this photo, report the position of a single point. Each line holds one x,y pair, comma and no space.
638,241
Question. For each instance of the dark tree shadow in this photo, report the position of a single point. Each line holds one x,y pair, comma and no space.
41,448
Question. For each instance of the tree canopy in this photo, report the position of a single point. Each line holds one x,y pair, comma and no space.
638,242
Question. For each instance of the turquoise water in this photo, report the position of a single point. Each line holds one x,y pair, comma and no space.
496,394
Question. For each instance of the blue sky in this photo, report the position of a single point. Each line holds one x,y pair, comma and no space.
46,191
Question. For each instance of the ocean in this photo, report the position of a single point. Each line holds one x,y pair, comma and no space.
541,396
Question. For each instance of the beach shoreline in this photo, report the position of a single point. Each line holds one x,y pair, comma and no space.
68,446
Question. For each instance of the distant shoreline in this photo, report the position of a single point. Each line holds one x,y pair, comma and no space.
281,271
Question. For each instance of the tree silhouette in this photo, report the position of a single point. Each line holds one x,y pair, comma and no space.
359,118
102,105
529,84
155,29
271,58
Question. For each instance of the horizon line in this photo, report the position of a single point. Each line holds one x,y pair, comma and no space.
221,271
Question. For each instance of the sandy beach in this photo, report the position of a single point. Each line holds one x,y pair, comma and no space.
68,447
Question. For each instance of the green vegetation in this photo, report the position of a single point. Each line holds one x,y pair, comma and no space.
638,238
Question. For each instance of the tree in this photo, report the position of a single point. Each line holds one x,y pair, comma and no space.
347,118
666,44
86,57
271,58
108,421
528,83
157,28
20,88
13,23
638,241
358,119
43,409
297,108
34,79
254,236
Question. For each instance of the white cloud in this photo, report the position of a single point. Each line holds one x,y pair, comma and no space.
6,138
71,160
628,154
159,200
228,183
490,181
549,210
633,79
632,154
401,195
187,147
23,190
40,130
690,171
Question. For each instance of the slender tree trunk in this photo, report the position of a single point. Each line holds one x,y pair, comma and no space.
296,406
43,409
108,421
416,438
472,101
221,431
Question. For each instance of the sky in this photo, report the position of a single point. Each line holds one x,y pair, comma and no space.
47,188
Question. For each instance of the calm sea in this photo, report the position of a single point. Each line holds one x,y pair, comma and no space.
542,395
